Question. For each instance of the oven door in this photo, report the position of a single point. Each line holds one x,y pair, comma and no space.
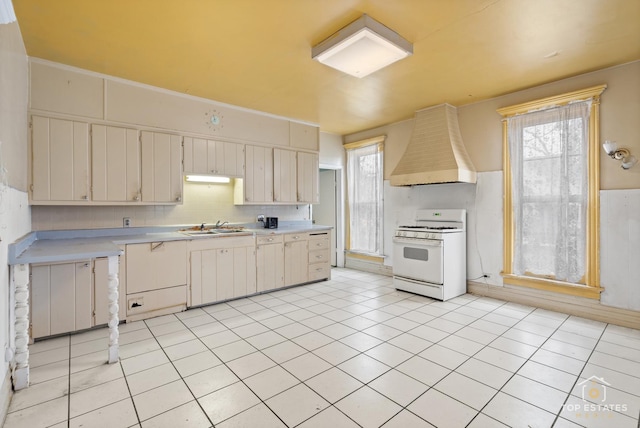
419,259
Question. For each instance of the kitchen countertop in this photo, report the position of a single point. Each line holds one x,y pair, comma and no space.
52,246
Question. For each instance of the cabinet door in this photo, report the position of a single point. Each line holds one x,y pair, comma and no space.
161,167
308,178
270,267
60,160
61,298
115,164
244,266
258,182
225,275
296,262
195,156
156,265
204,267
284,176
305,137
233,159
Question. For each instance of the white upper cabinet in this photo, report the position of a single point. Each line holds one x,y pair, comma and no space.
305,137
308,178
161,167
284,176
257,186
203,156
60,161
115,162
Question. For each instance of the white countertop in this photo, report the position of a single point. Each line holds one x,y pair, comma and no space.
83,244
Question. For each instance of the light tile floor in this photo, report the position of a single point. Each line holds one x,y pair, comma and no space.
347,352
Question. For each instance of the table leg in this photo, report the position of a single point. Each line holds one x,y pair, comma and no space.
21,358
114,334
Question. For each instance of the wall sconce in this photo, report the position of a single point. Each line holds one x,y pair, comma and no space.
627,159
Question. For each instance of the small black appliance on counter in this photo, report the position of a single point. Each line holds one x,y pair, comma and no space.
271,223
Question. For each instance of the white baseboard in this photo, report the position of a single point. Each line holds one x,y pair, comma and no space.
367,266
573,305
6,392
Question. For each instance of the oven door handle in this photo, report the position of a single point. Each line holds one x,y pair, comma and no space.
419,242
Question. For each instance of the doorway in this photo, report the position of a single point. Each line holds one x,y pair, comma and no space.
328,211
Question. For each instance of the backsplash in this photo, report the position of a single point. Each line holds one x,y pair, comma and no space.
202,203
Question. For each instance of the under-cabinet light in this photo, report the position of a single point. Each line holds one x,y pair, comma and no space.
207,179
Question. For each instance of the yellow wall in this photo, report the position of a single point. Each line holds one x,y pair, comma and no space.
482,131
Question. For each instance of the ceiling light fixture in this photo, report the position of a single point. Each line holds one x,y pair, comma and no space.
627,160
362,47
207,179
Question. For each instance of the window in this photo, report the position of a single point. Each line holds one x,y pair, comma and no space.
551,183
364,193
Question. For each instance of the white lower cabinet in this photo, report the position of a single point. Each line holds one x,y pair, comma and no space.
296,256
319,256
221,269
156,275
269,262
61,298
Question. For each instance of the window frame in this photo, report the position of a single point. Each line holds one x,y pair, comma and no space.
591,288
379,142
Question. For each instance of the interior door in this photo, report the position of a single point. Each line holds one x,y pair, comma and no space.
325,212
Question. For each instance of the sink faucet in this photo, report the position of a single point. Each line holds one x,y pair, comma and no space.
218,224
202,226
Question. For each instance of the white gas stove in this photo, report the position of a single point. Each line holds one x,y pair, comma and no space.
430,257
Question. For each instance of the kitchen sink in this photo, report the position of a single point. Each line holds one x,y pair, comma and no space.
208,232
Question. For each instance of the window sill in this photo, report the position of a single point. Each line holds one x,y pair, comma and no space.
555,286
365,256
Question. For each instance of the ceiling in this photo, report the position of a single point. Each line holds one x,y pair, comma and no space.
257,53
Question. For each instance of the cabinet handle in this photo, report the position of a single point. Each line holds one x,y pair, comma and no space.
155,247
179,198
319,257
270,239
296,237
84,198
85,265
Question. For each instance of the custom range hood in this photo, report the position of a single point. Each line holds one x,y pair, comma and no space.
435,153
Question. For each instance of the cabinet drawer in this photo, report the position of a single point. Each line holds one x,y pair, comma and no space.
318,256
155,300
319,271
317,243
293,237
269,239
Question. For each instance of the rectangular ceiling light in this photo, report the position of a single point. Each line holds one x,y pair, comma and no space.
207,179
362,47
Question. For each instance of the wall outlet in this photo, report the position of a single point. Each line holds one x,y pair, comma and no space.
126,221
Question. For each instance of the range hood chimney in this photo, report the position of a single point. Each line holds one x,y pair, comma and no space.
435,153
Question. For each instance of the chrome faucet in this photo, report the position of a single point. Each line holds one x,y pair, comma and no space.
219,225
